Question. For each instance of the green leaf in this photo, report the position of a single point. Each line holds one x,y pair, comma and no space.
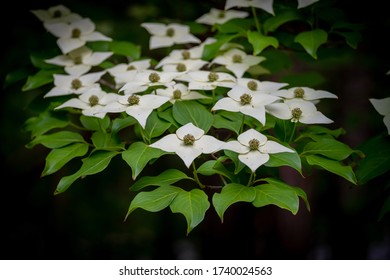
260,41
193,205
168,177
328,147
280,194
353,38
211,50
312,40
285,159
57,158
230,194
154,201
121,123
15,76
42,77
56,139
126,48
333,166
376,161
95,163
272,23
43,123
191,111
106,141
138,155
237,25
320,130
38,60
155,126
93,123
228,120
212,167
237,163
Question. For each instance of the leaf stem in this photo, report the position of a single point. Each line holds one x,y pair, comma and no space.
293,132
251,180
256,19
196,176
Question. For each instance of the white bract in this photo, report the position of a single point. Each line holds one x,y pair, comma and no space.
220,16
305,3
240,99
209,80
75,34
166,35
297,111
91,102
149,78
58,13
256,86
304,93
254,148
125,72
266,5
137,106
79,61
237,61
382,106
179,92
71,84
188,143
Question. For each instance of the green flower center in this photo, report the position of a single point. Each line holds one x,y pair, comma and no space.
186,55
189,139
57,14
76,84
237,58
181,67
154,77
299,92
78,60
213,77
254,144
222,14
133,100
131,67
93,100
245,99
296,114
170,32
177,94
252,85
76,33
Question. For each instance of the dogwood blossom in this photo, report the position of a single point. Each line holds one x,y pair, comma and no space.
220,16
166,35
71,84
382,106
91,102
149,78
58,13
124,72
256,86
137,106
297,111
179,92
79,61
266,5
248,103
209,80
188,143
304,93
75,34
237,61
254,148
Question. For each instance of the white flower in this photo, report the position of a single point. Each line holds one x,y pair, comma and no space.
266,5
305,3
240,99
137,106
184,67
148,78
255,86
70,84
209,80
179,92
91,102
188,143
79,61
254,148
382,106
75,34
166,35
304,93
237,61
220,16
297,111
125,72
58,13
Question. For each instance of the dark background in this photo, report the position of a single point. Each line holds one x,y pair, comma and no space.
86,222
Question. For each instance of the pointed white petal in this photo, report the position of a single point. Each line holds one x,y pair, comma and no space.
382,106
61,60
250,134
59,29
74,103
158,29
279,110
315,117
238,69
189,128
95,36
141,114
236,146
227,104
69,44
257,112
305,3
96,58
168,143
57,91
160,42
272,147
253,159
152,101
208,144
187,153
386,121
85,25
77,70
